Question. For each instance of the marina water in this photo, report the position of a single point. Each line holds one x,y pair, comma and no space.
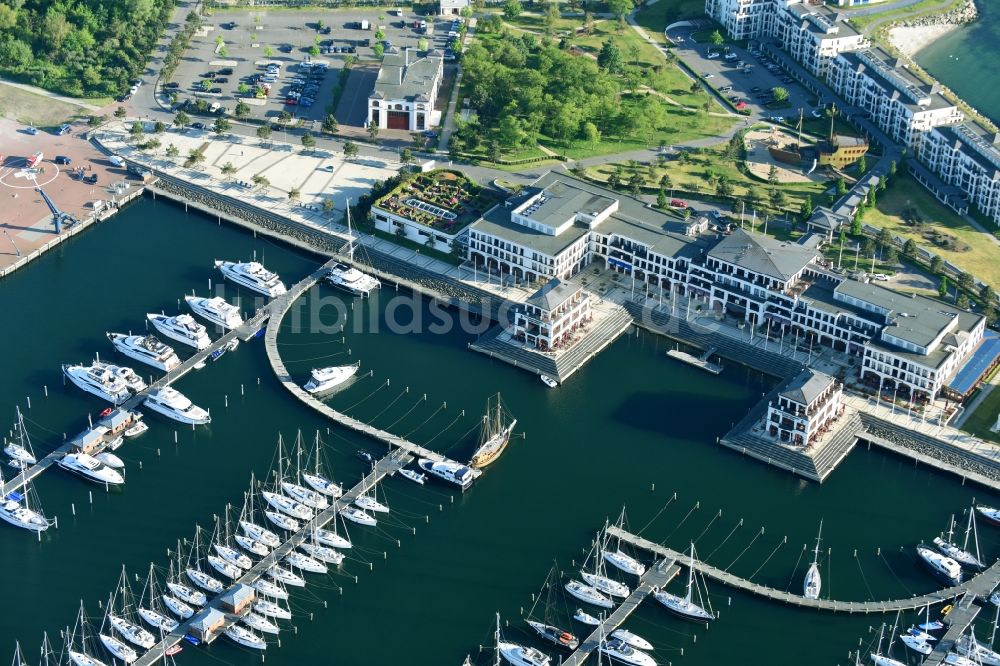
631,428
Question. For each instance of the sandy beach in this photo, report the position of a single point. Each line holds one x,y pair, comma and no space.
910,40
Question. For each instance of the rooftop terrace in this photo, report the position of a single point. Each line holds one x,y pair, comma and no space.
443,200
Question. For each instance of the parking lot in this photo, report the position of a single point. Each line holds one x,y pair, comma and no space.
252,40
750,82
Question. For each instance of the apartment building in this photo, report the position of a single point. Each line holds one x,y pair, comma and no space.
552,315
805,408
966,156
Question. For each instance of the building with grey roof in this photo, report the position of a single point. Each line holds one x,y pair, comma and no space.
805,408
826,222
452,7
406,91
551,317
966,156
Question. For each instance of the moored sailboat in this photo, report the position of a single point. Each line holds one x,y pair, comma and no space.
685,606
813,582
494,437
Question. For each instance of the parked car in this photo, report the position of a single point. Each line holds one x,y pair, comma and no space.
227,71
678,203
62,159
171,85
64,129
198,126
712,54
881,277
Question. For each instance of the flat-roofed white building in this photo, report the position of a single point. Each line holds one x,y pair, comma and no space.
805,408
406,91
966,156
551,316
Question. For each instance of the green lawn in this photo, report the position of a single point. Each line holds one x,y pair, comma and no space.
925,6
980,421
906,195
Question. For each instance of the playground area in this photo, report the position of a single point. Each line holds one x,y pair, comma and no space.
760,161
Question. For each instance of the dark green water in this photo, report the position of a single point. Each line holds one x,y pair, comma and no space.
965,61
631,428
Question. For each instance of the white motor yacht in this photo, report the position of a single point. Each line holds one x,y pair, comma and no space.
173,404
131,632
323,485
258,533
97,381
586,618
625,562
271,609
245,637
456,473
260,623
631,639
251,546
621,651
135,430
305,562
118,649
606,585
588,594
182,328
287,505
157,621
227,569
91,469
146,348
216,310
310,498
358,516
283,521
188,595
269,589
369,503
177,607
416,477
943,567
204,581
233,556
352,280
286,576
111,460
990,514
519,655
133,382
332,539
323,553
322,380
253,276
18,515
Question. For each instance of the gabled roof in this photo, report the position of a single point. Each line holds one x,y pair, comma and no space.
399,80
806,386
553,294
763,254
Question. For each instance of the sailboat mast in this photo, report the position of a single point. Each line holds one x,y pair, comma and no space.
690,575
497,661
818,537
350,234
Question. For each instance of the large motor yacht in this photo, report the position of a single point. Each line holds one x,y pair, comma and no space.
352,280
182,328
458,474
175,405
98,381
216,310
91,469
322,380
133,382
253,276
146,348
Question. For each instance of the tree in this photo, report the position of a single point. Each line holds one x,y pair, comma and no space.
588,22
182,120
937,265
883,183
635,182
136,132
261,181
867,247
242,110
552,17
512,9
120,112
772,175
264,132
892,168
694,87
379,35
172,151
418,140
294,194
268,51
943,287
378,49
862,164
910,249
615,180
856,225
891,255
206,84
405,156
780,94
661,198
841,186
987,295
966,282
328,206
159,127
330,125
350,150
591,134
962,301
422,44
284,117
620,8
223,51
716,38
243,88
610,58
221,126
372,130
195,157
308,141
493,153
314,50
228,169
807,207
777,197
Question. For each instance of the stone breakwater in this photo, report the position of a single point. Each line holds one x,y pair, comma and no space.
912,35
955,457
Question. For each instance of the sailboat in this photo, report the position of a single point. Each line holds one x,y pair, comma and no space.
81,656
245,637
519,655
272,609
20,452
18,657
494,435
260,623
294,489
968,646
16,507
316,479
348,278
149,608
588,594
368,502
961,554
685,606
285,576
813,582
251,528
195,574
269,589
546,627
224,549
597,578
182,594
617,557
304,562
918,640
121,619
878,657
116,647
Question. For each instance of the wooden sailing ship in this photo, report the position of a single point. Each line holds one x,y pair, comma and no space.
495,434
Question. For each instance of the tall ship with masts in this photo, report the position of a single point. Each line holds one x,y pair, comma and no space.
496,432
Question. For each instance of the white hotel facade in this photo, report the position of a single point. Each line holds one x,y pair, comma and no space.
559,225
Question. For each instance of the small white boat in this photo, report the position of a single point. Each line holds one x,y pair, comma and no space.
216,310
323,485
258,533
606,585
245,637
271,609
323,553
625,562
233,556
18,452
586,618
116,443
548,381
305,562
286,576
283,521
251,546
369,503
111,460
588,594
621,651
154,619
310,498
287,505
182,328
177,607
416,477
118,649
227,569
204,581
187,594
631,639
332,539
260,623
322,380
933,625
358,516
132,632
135,430
269,589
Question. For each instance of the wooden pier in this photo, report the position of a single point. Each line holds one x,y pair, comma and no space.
655,578
958,620
394,461
979,586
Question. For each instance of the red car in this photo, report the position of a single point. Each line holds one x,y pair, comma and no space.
677,203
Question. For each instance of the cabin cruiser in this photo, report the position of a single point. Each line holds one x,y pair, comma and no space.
310,498
606,585
154,619
358,516
18,515
175,405
271,609
942,566
323,485
216,310
305,562
97,381
286,576
631,639
260,623
621,651
258,533
626,563
253,276
518,655
283,521
91,469
269,589
204,581
287,505
555,635
137,428
332,539
352,280
147,349
452,472
131,632
133,382
118,649
182,328
233,556
322,380
177,607
588,594
187,594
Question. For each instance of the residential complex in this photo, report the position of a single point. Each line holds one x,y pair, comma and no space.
966,156
805,408
905,343
406,90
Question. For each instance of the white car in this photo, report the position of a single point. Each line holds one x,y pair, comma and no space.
708,75
881,277
712,55
816,113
